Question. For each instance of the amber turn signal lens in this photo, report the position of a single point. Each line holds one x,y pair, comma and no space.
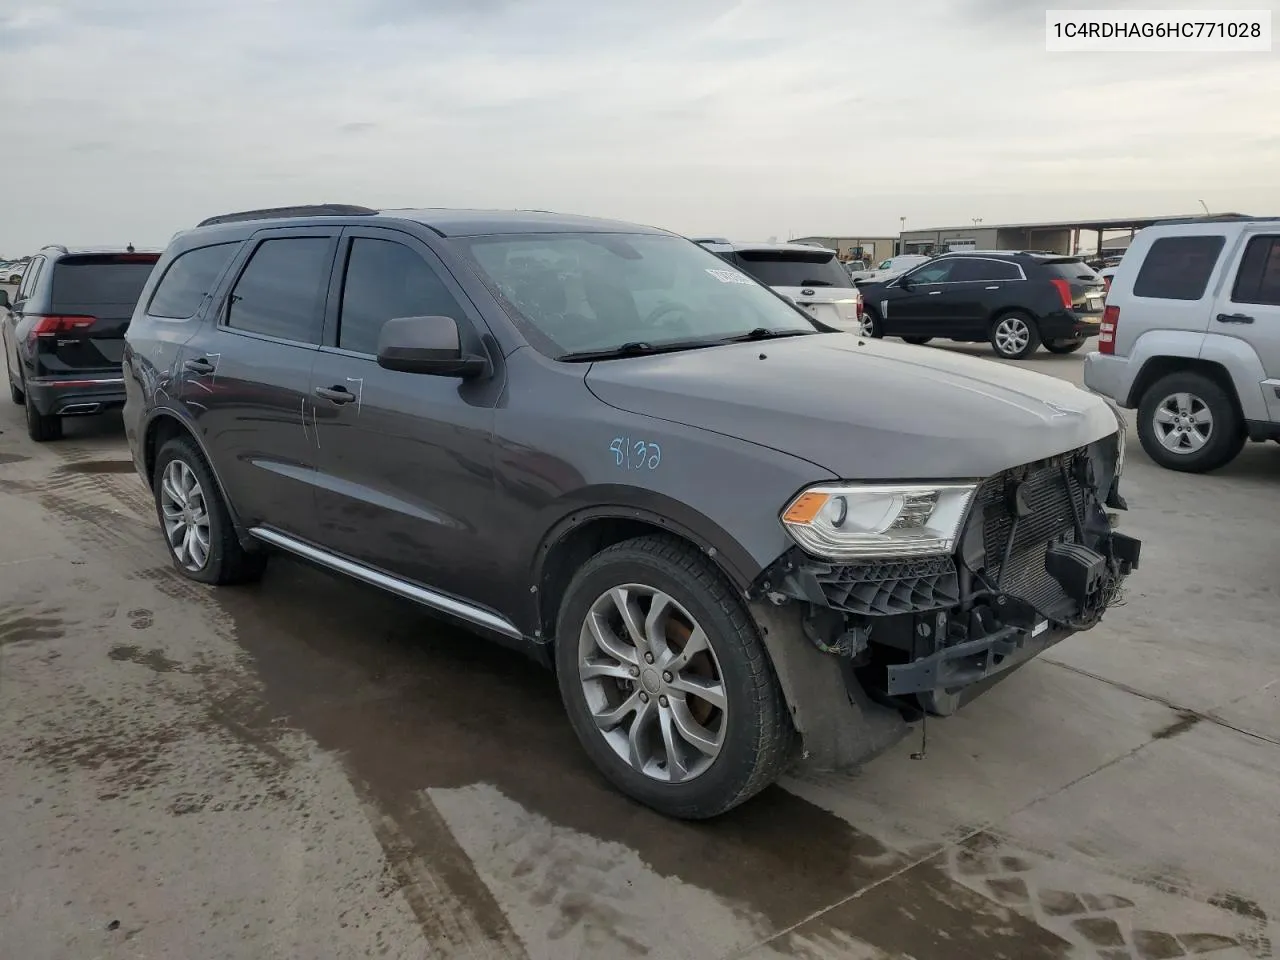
805,507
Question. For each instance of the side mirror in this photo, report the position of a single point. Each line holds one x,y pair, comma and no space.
430,345
904,282
4,299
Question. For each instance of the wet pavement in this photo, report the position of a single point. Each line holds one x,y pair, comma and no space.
309,768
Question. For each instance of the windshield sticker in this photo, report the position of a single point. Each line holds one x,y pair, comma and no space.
730,276
637,455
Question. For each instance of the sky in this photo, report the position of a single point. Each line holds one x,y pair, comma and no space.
128,120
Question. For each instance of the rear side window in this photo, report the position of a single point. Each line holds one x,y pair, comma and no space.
188,280
1259,278
795,268
91,283
281,292
385,280
976,270
1178,268
29,277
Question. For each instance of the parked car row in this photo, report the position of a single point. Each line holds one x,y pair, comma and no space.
609,447
11,271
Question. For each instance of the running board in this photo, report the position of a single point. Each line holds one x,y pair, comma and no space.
403,588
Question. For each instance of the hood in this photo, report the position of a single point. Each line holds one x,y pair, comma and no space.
863,409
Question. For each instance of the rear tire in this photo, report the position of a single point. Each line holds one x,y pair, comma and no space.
41,427
747,741
188,499
1063,346
1187,422
918,341
1014,336
871,325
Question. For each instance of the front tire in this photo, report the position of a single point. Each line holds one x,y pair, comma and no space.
1187,422
197,526
666,680
1014,336
1063,346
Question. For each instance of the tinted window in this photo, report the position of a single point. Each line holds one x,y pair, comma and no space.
975,270
29,278
575,292
188,279
937,272
386,279
99,284
1259,278
795,268
281,291
1178,268
1073,270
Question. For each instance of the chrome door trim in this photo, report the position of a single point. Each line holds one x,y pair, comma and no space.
403,588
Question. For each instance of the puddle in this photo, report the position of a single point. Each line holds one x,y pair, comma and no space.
412,705
20,623
97,466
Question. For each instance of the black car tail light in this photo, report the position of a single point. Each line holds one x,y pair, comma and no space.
1064,291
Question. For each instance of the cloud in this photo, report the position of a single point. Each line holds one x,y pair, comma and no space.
746,118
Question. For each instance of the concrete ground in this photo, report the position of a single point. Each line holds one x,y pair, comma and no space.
307,768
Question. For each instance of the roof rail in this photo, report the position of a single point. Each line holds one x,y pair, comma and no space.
280,213
55,246
1213,218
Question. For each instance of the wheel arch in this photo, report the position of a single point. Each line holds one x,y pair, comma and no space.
584,532
1157,368
162,426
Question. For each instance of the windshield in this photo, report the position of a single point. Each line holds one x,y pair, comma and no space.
574,293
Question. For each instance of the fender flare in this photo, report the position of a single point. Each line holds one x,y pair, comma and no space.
189,428
730,556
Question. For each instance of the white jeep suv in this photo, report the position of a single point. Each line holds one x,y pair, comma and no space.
1190,337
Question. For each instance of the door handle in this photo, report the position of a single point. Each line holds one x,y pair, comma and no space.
335,394
935,293
201,366
996,287
1234,318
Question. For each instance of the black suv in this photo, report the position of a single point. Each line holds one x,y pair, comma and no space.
736,536
1015,301
64,332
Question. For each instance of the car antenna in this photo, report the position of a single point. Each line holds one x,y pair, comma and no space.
129,248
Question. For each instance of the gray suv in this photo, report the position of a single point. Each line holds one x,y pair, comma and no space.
738,537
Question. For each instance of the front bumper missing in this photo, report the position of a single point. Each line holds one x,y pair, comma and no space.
972,661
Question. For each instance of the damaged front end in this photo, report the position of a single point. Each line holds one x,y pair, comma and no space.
1035,558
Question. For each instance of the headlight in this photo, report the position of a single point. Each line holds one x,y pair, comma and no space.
848,521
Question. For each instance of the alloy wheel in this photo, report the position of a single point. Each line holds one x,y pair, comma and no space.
1012,335
866,327
186,515
652,683
1183,423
